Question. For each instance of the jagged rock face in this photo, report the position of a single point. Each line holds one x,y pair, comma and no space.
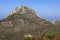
22,10
56,22
23,20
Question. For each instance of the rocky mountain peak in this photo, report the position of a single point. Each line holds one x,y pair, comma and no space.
22,10
21,21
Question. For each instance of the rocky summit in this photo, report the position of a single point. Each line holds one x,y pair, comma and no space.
23,21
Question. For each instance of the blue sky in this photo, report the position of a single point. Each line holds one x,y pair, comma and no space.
46,9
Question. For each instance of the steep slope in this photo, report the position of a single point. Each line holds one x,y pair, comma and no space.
23,20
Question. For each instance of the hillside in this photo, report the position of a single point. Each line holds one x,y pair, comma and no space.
23,20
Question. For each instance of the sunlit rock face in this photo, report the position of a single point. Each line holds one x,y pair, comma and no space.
22,10
23,20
